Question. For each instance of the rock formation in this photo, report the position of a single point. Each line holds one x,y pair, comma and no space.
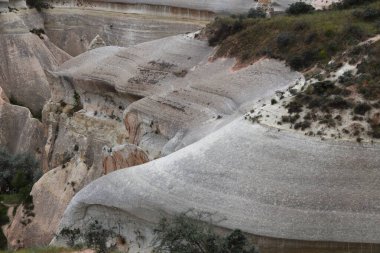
25,58
96,42
121,157
19,132
73,29
5,5
77,121
266,180
164,122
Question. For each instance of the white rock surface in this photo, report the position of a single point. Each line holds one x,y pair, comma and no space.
169,6
73,29
184,96
266,182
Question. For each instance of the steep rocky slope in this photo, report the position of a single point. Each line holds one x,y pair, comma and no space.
25,58
72,144
19,132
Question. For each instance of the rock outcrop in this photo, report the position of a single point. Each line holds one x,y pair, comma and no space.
96,42
5,5
73,29
196,9
267,182
121,157
19,132
25,57
179,96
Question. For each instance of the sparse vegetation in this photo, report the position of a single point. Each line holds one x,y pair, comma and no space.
39,32
188,233
302,40
93,236
38,4
298,8
256,13
18,173
362,108
345,4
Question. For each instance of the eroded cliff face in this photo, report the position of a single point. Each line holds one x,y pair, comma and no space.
19,132
74,29
25,58
78,131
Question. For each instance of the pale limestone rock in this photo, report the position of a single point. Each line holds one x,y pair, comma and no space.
3,97
196,9
96,42
73,29
184,94
17,4
4,6
262,181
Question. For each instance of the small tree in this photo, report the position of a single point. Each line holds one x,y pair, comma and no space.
38,4
94,236
256,13
299,8
189,234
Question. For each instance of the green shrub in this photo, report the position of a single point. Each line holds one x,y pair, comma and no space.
368,14
301,26
93,235
189,234
375,131
344,4
299,8
338,103
284,40
353,33
18,173
256,13
347,78
362,108
38,4
294,107
302,125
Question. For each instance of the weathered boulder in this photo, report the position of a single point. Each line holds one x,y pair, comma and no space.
269,183
121,157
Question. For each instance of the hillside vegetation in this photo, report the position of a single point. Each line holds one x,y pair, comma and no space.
301,40
340,96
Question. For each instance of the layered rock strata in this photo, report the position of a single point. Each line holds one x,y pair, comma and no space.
267,182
